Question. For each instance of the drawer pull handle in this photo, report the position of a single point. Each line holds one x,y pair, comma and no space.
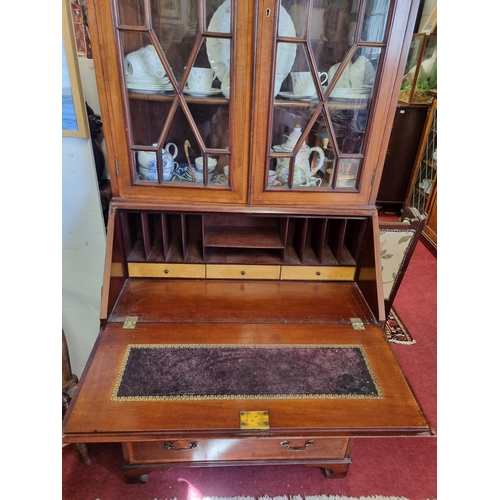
170,446
286,444
166,271
318,273
243,273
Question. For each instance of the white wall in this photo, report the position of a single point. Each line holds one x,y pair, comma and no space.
83,239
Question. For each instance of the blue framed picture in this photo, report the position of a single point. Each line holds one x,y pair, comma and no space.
74,114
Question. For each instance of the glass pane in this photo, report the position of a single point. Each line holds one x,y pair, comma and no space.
131,12
147,118
348,170
350,99
297,9
420,71
219,49
427,73
375,20
218,15
416,47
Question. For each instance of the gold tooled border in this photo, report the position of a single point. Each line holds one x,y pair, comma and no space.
219,397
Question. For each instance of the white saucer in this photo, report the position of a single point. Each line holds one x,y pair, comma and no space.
296,97
202,93
148,90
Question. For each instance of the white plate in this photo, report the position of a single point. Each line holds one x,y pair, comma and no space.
150,87
218,49
202,93
147,91
296,97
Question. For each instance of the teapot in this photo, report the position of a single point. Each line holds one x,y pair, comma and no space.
302,175
148,164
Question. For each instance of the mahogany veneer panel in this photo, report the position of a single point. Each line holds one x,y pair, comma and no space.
241,301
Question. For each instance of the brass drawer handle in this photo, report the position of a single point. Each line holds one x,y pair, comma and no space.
318,273
170,446
286,444
243,273
166,271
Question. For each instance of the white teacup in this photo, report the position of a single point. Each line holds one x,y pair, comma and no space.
212,163
303,82
201,79
135,65
154,66
343,82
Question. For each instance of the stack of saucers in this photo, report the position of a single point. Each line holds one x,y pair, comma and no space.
149,84
362,92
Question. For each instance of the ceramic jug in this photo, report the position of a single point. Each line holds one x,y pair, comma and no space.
148,164
303,175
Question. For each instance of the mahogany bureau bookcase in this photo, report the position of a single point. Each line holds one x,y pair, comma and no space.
242,298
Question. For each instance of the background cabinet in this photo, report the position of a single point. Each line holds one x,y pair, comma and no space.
422,193
409,122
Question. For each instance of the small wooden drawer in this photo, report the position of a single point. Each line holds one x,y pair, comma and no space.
147,270
319,273
249,448
252,272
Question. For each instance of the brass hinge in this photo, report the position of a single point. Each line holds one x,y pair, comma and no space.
357,324
255,420
130,322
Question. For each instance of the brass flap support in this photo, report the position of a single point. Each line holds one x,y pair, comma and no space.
254,420
357,324
130,322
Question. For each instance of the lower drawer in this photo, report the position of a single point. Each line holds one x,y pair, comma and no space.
209,450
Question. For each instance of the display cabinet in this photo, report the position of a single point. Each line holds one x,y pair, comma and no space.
422,191
407,129
242,301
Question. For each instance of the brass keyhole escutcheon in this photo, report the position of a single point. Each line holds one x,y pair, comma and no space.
268,12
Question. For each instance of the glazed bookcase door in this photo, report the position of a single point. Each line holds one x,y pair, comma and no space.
175,78
328,98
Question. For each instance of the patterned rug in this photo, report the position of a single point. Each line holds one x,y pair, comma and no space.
396,330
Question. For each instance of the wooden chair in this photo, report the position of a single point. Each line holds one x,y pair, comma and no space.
70,380
397,243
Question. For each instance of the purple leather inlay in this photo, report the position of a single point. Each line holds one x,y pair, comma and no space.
255,371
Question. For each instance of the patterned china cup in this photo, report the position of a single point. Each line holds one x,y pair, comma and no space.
135,65
154,67
201,79
212,163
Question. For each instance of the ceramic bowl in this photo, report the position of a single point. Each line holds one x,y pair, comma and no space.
212,163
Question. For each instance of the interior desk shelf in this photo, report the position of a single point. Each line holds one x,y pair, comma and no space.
155,237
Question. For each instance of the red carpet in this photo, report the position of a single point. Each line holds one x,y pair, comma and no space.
393,467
